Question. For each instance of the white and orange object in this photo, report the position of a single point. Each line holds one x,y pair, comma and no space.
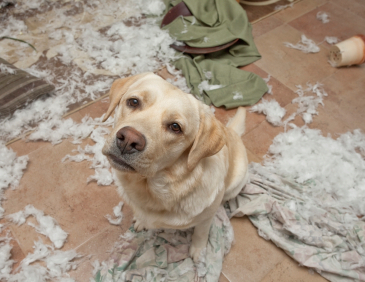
348,52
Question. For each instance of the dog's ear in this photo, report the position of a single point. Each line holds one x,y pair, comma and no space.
118,89
210,139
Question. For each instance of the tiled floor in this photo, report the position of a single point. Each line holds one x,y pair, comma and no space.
60,189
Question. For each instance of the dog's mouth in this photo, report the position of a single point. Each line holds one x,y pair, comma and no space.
119,164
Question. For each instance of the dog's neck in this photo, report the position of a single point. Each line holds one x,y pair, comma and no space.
162,191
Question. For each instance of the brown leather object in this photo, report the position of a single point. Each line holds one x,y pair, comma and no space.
179,10
182,10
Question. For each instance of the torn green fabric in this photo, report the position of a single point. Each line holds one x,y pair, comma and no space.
216,22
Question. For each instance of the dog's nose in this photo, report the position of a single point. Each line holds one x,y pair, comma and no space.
129,140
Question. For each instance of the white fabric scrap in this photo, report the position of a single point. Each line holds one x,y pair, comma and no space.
272,109
323,17
306,45
118,214
47,224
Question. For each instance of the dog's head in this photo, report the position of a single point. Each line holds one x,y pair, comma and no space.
156,124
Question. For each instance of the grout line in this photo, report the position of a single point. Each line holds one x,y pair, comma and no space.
272,13
226,276
92,237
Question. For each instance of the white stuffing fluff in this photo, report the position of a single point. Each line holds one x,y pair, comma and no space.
100,163
47,225
58,264
273,111
11,169
333,171
306,45
5,262
282,7
323,17
118,214
268,85
205,86
6,69
331,39
237,96
308,104
11,27
332,63
40,251
179,80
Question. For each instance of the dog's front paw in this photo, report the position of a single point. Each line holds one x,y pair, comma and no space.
196,253
139,226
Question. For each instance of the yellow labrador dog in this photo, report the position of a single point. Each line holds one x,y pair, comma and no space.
175,161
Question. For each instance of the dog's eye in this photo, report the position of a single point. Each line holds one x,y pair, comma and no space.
133,102
175,127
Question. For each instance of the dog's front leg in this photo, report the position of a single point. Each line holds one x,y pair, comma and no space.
199,239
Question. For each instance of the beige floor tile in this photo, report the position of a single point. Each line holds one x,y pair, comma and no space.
265,26
97,109
223,278
290,66
289,270
251,257
252,157
100,247
224,115
355,6
298,10
346,101
61,191
343,24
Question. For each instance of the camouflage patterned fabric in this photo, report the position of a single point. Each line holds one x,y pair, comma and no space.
322,241
163,255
